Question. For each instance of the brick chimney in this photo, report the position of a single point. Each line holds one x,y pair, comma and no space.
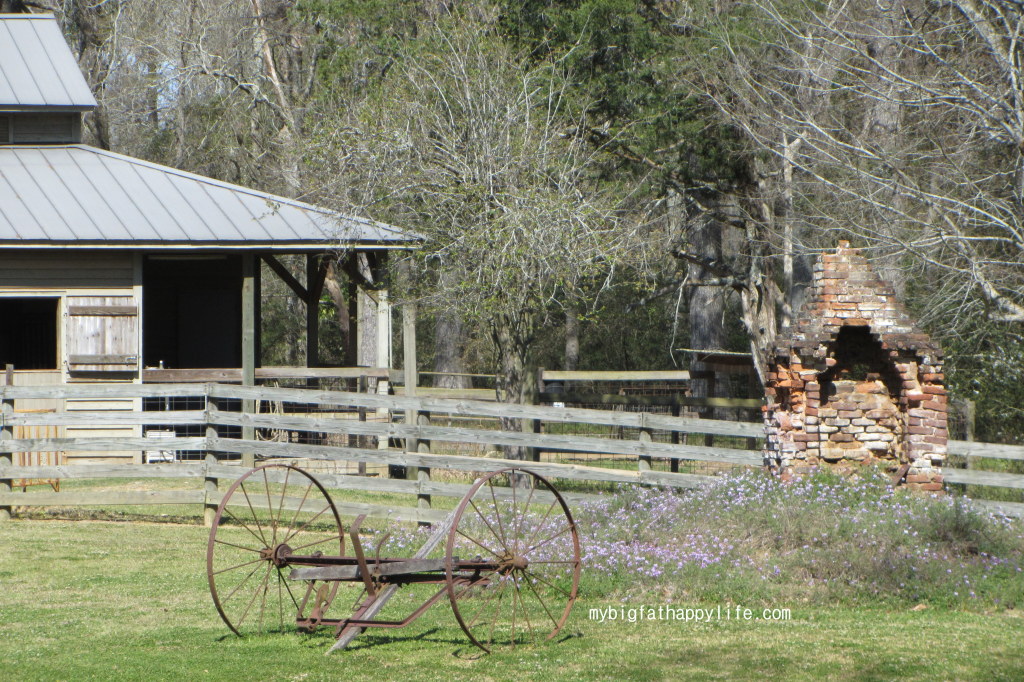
853,381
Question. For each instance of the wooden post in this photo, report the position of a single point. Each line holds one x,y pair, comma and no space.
674,463
422,474
210,486
249,295
645,462
970,412
362,441
312,313
6,433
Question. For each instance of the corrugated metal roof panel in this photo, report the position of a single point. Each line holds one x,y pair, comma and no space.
37,69
68,194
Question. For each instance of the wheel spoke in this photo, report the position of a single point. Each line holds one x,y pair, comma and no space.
284,490
239,586
308,521
526,611
497,537
243,524
540,525
231,544
544,605
295,516
553,537
549,584
497,617
254,516
478,543
270,510
231,568
315,542
255,595
522,517
497,513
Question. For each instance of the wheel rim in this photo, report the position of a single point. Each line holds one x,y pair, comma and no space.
531,536
266,514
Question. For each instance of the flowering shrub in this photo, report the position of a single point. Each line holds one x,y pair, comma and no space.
820,538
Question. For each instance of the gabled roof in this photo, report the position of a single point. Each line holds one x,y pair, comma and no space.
80,196
37,70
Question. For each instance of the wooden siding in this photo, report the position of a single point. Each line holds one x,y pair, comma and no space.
64,270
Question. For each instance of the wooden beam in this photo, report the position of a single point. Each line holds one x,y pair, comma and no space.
281,271
316,272
249,294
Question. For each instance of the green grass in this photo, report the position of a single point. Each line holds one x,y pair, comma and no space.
128,601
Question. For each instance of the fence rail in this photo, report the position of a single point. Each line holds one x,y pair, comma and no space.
229,433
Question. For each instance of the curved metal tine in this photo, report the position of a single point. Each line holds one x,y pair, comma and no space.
483,518
543,604
295,516
254,517
542,521
238,586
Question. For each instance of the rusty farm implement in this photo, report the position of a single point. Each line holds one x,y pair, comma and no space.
507,559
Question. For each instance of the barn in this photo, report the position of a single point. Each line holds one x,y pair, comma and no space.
115,269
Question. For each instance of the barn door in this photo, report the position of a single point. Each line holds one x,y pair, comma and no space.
102,334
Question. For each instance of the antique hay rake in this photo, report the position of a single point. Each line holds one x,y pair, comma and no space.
509,564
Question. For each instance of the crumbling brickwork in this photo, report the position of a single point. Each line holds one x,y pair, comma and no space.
853,381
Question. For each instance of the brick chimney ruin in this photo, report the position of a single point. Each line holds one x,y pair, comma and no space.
853,381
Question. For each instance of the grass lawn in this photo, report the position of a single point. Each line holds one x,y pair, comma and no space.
107,600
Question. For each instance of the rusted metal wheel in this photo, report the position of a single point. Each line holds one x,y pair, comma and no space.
525,542
266,515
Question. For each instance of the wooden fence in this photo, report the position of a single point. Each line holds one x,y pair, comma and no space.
228,426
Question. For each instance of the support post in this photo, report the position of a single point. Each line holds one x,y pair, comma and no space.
645,462
316,272
210,482
970,412
422,474
674,464
249,303
6,433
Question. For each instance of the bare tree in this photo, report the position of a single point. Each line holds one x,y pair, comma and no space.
901,125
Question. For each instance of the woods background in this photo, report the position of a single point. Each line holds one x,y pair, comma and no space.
603,182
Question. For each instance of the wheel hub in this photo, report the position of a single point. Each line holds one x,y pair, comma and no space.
277,555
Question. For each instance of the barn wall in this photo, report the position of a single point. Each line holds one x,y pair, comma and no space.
98,291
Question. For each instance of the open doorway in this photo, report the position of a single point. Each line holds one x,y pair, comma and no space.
192,311
28,333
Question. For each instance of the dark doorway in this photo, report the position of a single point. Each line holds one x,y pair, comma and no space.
28,333
192,312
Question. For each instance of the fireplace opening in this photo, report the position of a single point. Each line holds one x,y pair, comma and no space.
858,357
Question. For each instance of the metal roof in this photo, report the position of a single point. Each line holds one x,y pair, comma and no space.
76,195
37,69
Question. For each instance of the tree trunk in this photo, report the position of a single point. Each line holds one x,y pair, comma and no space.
572,339
518,381
449,346
706,303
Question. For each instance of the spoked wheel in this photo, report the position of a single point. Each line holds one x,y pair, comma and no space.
527,536
266,515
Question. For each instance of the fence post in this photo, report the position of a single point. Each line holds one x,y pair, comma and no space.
210,482
674,463
644,462
421,474
6,433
